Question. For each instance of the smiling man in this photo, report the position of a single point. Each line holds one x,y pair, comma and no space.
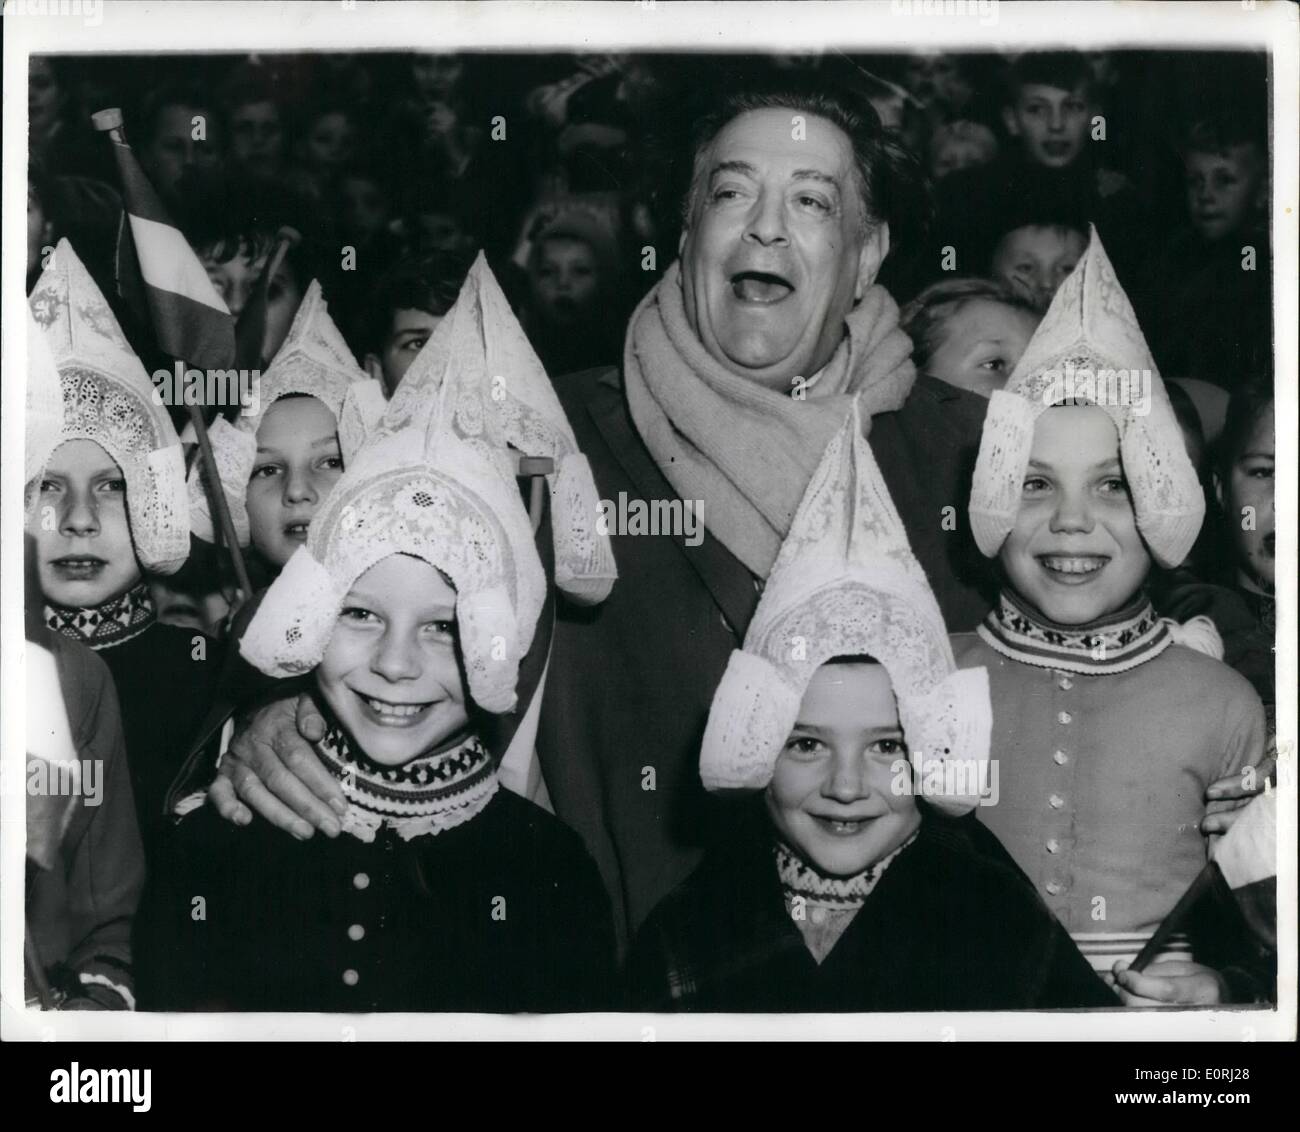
740,365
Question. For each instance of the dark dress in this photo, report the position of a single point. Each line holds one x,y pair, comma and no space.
503,913
951,925
164,690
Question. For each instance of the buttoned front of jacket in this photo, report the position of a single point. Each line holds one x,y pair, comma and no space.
1102,778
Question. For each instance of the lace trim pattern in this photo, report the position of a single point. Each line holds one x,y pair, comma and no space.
103,626
108,398
1090,326
423,797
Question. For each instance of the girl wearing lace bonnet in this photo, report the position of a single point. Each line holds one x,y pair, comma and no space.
838,889
281,456
408,609
1112,721
106,505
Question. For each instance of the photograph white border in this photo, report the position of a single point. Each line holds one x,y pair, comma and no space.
125,26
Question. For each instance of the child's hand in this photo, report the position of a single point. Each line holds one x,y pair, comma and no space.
1171,983
1226,796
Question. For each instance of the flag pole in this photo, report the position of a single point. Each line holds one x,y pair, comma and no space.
111,122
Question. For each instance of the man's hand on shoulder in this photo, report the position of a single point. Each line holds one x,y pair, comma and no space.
272,769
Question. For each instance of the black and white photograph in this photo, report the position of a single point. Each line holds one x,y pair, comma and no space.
644,521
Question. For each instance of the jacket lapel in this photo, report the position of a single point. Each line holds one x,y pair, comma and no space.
728,581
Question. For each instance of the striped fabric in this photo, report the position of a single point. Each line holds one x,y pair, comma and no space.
1116,643
1103,949
189,318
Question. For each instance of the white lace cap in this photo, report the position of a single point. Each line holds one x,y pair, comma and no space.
457,507
313,360
481,341
1090,328
44,402
108,398
846,583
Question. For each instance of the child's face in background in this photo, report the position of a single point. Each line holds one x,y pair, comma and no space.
297,465
1051,123
965,148
1250,485
831,795
173,149
84,555
330,141
410,329
236,282
390,672
982,341
1036,259
1075,553
1224,189
565,280
257,135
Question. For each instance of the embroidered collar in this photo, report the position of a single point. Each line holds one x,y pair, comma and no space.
802,879
103,626
1114,643
428,795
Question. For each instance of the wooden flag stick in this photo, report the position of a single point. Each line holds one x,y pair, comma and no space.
217,501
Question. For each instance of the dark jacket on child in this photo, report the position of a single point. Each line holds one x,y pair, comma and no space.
951,925
503,913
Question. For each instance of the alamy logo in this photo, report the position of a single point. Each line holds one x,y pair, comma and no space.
221,387
102,1086
681,517
1130,388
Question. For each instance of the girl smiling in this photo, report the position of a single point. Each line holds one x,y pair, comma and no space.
1113,722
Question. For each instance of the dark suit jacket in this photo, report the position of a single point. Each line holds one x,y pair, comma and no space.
631,680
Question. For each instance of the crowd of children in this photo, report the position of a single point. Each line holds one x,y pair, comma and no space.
918,820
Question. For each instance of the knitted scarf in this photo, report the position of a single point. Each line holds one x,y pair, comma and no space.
428,795
746,451
1115,643
823,906
103,626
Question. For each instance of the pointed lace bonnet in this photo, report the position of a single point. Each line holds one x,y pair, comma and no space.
1089,348
845,583
482,343
443,489
108,398
313,360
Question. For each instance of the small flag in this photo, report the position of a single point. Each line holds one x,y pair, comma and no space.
189,318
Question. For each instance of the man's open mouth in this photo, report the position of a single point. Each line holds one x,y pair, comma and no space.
296,531
1073,569
760,287
1056,148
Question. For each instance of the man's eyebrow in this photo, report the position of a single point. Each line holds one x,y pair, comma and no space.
331,439
732,167
814,175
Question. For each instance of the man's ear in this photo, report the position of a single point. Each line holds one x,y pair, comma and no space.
374,368
1218,489
1009,120
874,249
